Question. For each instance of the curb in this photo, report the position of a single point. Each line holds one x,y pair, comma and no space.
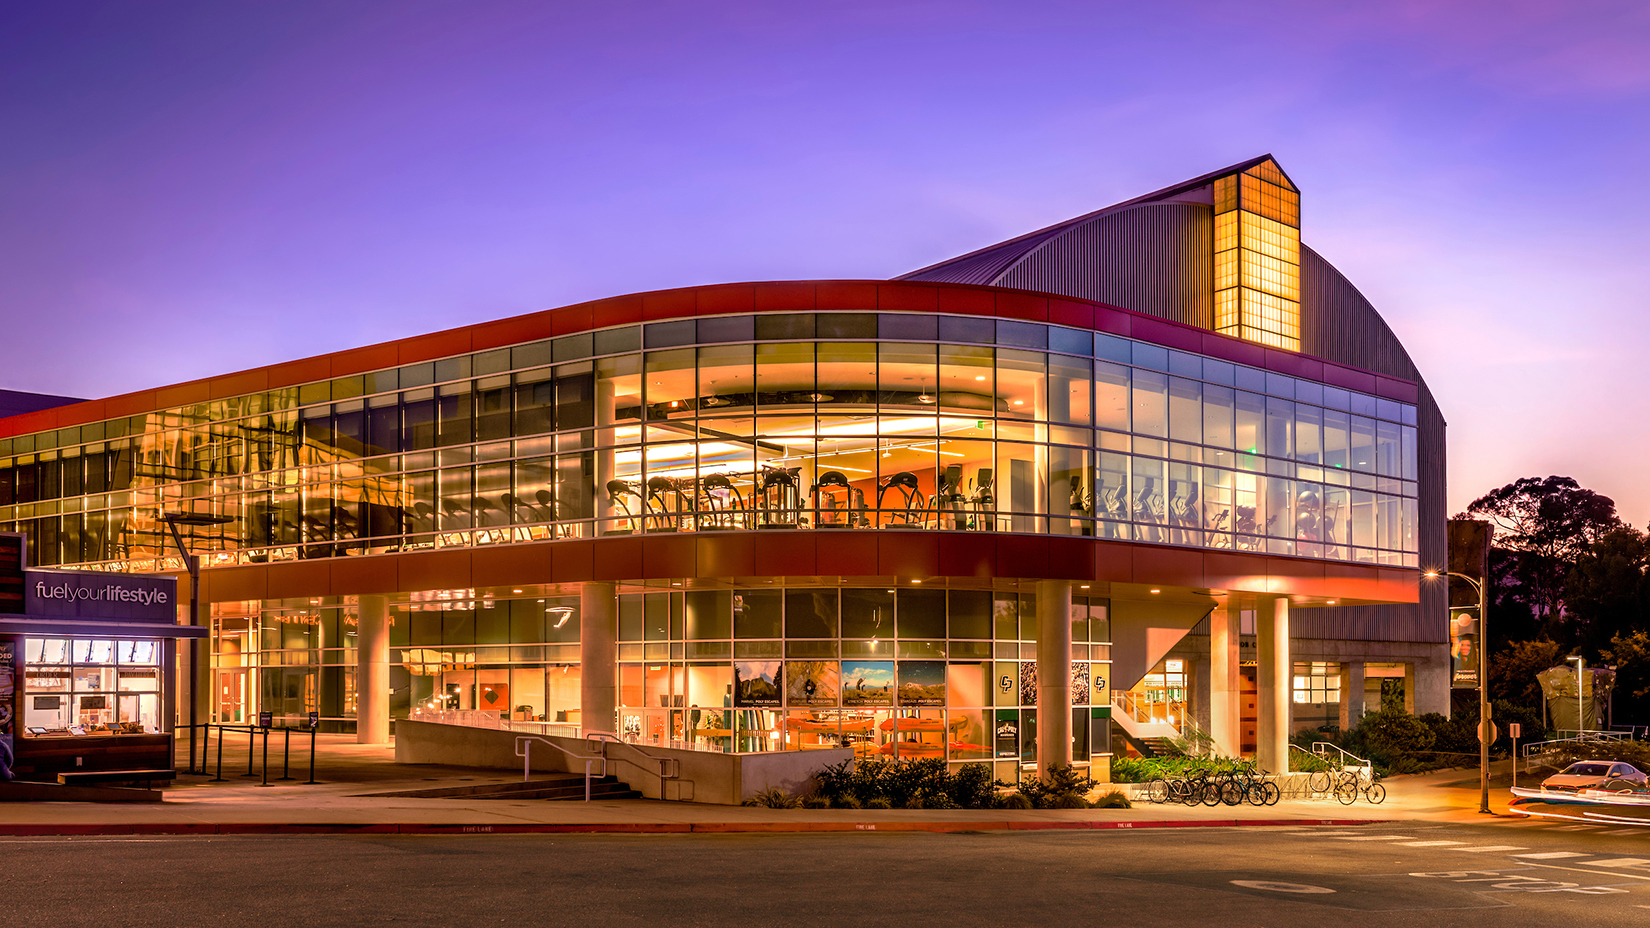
300,828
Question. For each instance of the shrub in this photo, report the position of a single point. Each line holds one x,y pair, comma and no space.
816,802
774,798
972,787
1066,789
879,802
1113,800
910,784
1013,801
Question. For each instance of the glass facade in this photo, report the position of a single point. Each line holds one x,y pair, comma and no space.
1258,257
830,421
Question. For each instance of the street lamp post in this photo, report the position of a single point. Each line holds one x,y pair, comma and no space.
192,563
1483,688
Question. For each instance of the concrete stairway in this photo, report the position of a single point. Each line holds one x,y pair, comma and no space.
547,786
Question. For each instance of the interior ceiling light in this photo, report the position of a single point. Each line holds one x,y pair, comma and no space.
715,401
926,399
1157,591
821,397
980,377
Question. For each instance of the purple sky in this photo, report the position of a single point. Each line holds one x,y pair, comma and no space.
192,188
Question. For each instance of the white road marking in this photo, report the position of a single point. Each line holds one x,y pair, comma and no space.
1380,838
1623,831
1550,855
1319,834
1430,843
1577,827
1492,847
1279,887
1637,863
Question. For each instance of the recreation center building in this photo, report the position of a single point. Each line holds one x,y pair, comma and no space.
1156,466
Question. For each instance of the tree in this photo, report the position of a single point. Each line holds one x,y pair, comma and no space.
1607,591
1544,525
1513,669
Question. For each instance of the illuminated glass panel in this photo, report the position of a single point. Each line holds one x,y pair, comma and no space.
1257,257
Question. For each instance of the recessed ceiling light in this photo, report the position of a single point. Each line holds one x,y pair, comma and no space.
515,591
1019,402
1157,591
981,377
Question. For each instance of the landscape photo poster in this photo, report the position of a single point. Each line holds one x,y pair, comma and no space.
868,684
812,683
757,684
922,683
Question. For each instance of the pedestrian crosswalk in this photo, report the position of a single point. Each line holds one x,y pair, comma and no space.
1518,852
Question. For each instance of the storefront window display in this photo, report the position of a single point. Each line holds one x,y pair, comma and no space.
82,686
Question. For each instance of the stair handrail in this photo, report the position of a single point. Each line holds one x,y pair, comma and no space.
524,750
1348,760
670,768
1297,749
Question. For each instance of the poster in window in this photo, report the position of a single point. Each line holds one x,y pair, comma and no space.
922,683
1028,683
1079,682
868,683
8,693
756,684
1008,733
812,683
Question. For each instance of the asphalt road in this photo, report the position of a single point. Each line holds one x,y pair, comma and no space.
1401,874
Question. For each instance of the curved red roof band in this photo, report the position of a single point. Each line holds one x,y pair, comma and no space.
714,300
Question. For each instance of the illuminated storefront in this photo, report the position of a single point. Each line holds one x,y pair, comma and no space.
802,513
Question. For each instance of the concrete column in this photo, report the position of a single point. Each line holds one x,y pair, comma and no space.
1409,687
1053,675
372,671
1272,647
598,657
1225,691
1352,694
1432,677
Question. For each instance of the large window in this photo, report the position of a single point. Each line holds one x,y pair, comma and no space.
892,421
82,686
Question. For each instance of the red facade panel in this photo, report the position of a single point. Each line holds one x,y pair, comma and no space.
846,294
908,555
669,304
1022,306
1072,313
1022,556
184,394
253,381
725,554
1070,558
964,554
1114,321
622,310
783,552
293,373
439,345
362,360
573,561
785,297
966,302
908,298
570,319
512,565
669,556
619,559
726,298
846,554
375,574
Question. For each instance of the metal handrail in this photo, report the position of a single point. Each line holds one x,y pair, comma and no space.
670,768
524,750
1362,764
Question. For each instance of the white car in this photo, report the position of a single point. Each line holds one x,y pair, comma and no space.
1613,776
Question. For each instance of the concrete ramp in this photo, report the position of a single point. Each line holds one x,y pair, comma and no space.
25,791
1142,632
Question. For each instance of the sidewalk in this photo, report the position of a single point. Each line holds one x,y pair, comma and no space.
346,771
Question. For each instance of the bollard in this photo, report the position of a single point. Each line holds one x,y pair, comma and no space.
312,779
219,777
265,770
286,754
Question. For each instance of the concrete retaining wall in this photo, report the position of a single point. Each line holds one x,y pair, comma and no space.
720,779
